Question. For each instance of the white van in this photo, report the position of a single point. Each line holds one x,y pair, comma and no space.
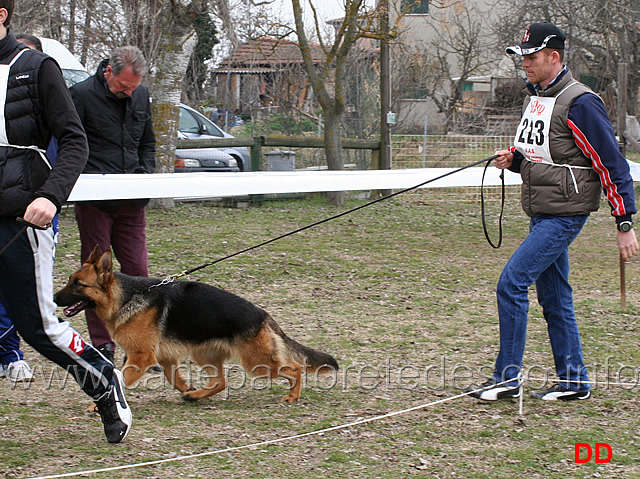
72,69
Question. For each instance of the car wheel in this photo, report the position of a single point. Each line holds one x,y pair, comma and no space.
240,163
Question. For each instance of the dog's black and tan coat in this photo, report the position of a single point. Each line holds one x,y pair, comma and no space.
164,324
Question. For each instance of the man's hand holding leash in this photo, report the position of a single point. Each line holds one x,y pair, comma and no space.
504,159
40,212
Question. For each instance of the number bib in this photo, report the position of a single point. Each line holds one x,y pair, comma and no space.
532,135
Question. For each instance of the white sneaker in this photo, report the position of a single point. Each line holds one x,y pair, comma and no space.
18,371
492,390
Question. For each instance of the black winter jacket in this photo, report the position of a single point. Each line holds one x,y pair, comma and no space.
38,105
119,131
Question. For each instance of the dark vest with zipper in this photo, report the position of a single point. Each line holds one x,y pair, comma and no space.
22,171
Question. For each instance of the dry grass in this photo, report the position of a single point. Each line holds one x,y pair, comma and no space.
402,294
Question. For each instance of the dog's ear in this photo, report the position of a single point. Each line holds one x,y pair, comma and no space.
94,256
104,265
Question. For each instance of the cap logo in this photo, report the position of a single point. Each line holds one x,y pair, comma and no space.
526,36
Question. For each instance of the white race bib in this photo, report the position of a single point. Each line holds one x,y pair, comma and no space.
4,80
532,135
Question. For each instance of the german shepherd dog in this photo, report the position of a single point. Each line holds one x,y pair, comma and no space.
163,323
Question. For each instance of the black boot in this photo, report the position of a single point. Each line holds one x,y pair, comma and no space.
108,350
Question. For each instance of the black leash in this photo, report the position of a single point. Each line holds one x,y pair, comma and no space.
26,225
484,222
12,240
211,263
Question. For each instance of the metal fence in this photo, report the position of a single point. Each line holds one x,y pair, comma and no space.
450,151
443,151
414,151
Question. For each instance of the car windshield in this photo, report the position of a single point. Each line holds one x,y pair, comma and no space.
71,77
189,123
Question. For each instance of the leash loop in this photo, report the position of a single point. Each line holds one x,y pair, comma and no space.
484,221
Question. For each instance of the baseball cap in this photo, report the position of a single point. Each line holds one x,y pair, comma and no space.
537,37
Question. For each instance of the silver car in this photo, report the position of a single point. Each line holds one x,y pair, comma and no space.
194,125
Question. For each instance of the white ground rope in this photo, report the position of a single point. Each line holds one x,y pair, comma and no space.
311,433
257,444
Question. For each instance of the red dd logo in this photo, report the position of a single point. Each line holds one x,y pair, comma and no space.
77,344
598,446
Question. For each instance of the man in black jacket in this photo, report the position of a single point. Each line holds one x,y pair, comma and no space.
35,106
116,113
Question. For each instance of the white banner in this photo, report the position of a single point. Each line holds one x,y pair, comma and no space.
218,185
214,185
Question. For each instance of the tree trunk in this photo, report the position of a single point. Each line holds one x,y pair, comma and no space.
177,43
86,37
333,152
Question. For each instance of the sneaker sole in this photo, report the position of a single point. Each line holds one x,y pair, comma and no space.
124,412
496,394
563,396
22,380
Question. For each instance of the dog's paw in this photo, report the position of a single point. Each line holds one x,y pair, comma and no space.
190,397
289,398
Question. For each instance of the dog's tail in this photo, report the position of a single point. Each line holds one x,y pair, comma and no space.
314,360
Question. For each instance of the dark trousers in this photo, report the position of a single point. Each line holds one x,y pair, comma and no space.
26,291
122,230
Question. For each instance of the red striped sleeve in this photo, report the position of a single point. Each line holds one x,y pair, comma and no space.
611,190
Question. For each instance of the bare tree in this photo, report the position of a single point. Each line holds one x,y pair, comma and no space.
167,34
460,49
38,17
600,35
328,78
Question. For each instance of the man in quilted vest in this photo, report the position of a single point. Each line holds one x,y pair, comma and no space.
567,154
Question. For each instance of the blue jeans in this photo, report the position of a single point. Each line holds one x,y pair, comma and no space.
9,340
542,258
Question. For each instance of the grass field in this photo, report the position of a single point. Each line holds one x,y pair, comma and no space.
403,295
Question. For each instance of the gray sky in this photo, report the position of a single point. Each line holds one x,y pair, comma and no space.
327,9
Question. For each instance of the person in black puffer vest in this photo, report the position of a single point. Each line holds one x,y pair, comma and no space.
36,105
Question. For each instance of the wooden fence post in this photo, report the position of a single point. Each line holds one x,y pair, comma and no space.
256,152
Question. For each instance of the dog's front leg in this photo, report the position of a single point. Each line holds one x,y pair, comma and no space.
173,375
137,365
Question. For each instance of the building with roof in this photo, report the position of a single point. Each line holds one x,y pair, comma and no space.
265,74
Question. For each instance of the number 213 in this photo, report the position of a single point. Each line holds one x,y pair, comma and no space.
531,128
